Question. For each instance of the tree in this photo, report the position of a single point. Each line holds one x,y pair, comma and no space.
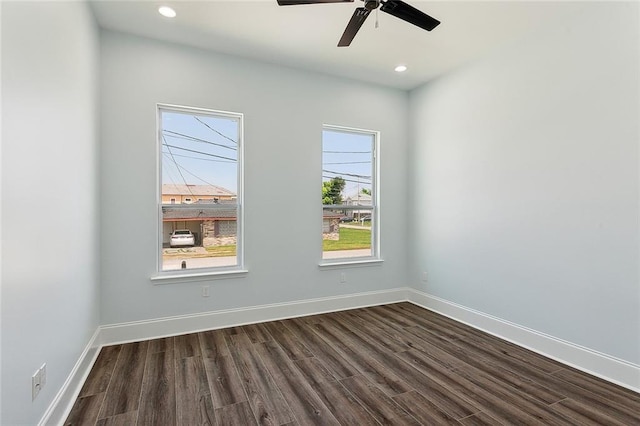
332,190
366,191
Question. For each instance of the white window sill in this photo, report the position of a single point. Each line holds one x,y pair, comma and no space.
172,278
346,263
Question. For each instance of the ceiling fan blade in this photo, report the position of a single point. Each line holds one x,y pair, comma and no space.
356,21
408,13
295,2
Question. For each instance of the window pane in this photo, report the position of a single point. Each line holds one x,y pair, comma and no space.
199,189
348,187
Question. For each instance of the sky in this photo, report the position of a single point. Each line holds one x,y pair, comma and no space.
348,154
202,149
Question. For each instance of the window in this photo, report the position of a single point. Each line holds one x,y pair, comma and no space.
200,159
349,194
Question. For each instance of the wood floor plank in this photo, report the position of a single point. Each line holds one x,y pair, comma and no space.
373,370
160,345
457,331
314,371
584,415
239,414
454,404
451,356
511,396
124,419
331,358
294,348
187,345
265,399
224,381
305,404
85,410
597,386
480,419
506,377
500,402
193,398
100,375
433,346
384,409
344,406
423,410
213,344
422,319
123,393
257,333
394,320
370,326
618,409
158,394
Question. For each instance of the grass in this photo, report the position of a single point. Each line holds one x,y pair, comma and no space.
350,239
221,251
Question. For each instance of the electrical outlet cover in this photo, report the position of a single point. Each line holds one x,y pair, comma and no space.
43,375
35,385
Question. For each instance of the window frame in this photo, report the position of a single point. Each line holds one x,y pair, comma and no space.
375,256
167,276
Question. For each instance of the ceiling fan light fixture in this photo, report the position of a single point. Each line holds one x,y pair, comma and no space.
400,68
167,12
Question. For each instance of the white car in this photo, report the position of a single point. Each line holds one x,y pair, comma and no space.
181,238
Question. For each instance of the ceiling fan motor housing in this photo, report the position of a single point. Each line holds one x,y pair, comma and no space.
371,4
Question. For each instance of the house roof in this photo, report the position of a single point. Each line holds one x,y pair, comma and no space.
361,196
220,212
195,190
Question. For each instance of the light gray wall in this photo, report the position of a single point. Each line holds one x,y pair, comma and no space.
525,182
284,113
49,198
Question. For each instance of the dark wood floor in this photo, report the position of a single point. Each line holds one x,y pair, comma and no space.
392,365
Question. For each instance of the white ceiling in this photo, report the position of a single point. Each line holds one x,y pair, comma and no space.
306,36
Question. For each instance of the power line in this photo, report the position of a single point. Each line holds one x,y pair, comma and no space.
346,174
178,167
197,152
224,136
167,171
193,138
352,162
202,159
347,152
346,180
197,177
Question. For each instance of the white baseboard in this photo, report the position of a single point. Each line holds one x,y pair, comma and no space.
609,368
173,326
62,404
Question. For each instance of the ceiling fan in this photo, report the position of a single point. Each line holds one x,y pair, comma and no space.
397,8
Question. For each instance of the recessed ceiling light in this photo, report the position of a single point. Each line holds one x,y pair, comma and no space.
167,11
401,68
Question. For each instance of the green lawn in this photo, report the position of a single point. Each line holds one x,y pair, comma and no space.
350,239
